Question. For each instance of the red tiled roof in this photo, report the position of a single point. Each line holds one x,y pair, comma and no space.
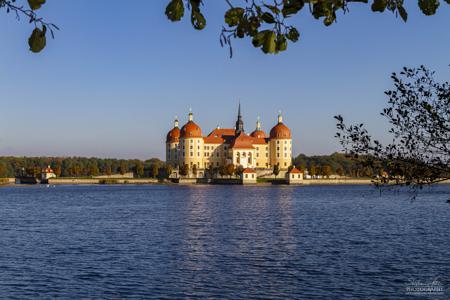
258,134
191,130
47,170
173,135
227,135
280,131
242,141
219,136
259,141
248,170
295,171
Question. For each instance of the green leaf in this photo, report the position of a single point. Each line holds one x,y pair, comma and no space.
403,14
270,44
429,7
232,16
291,7
258,39
293,34
175,10
268,18
379,5
37,40
198,20
329,20
273,8
281,43
35,4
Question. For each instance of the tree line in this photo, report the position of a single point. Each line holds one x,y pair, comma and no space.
336,164
81,166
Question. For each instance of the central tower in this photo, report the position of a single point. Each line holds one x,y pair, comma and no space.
239,122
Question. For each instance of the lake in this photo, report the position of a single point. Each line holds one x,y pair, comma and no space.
225,242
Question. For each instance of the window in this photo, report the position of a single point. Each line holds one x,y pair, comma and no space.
257,164
191,147
278,154
218,154
246,175
257,154
285,155
217,163
278,142
253,175
198,147
285,148
278,148
285,164
198,154
191,154
285,142
298,176
267,154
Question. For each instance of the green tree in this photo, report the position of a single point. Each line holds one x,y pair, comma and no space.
276,170
108,170
58,170
184,170
169,170
229,170
139,169
123,168
238,170
419,115
194,170
312,170
326,171
155,171
222,171
3,170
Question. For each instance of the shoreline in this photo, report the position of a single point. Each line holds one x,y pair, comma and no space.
153,181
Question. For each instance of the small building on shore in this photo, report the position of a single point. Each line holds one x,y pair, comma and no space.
47,173
294,176
248,176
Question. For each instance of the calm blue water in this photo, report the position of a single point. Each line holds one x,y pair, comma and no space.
228,242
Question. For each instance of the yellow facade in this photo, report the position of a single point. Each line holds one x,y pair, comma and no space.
230,146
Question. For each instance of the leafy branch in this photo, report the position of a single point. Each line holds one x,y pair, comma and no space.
419,114
37,41
267,22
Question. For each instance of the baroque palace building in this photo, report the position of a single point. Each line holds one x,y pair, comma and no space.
223,146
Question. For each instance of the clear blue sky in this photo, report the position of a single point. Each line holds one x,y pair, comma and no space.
111,82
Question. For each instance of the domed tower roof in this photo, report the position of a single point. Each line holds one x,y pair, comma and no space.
173,136
190,129
280,131
258,132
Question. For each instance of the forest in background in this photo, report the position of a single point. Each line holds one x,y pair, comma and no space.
323,165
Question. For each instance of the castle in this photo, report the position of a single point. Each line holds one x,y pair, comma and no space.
224,146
